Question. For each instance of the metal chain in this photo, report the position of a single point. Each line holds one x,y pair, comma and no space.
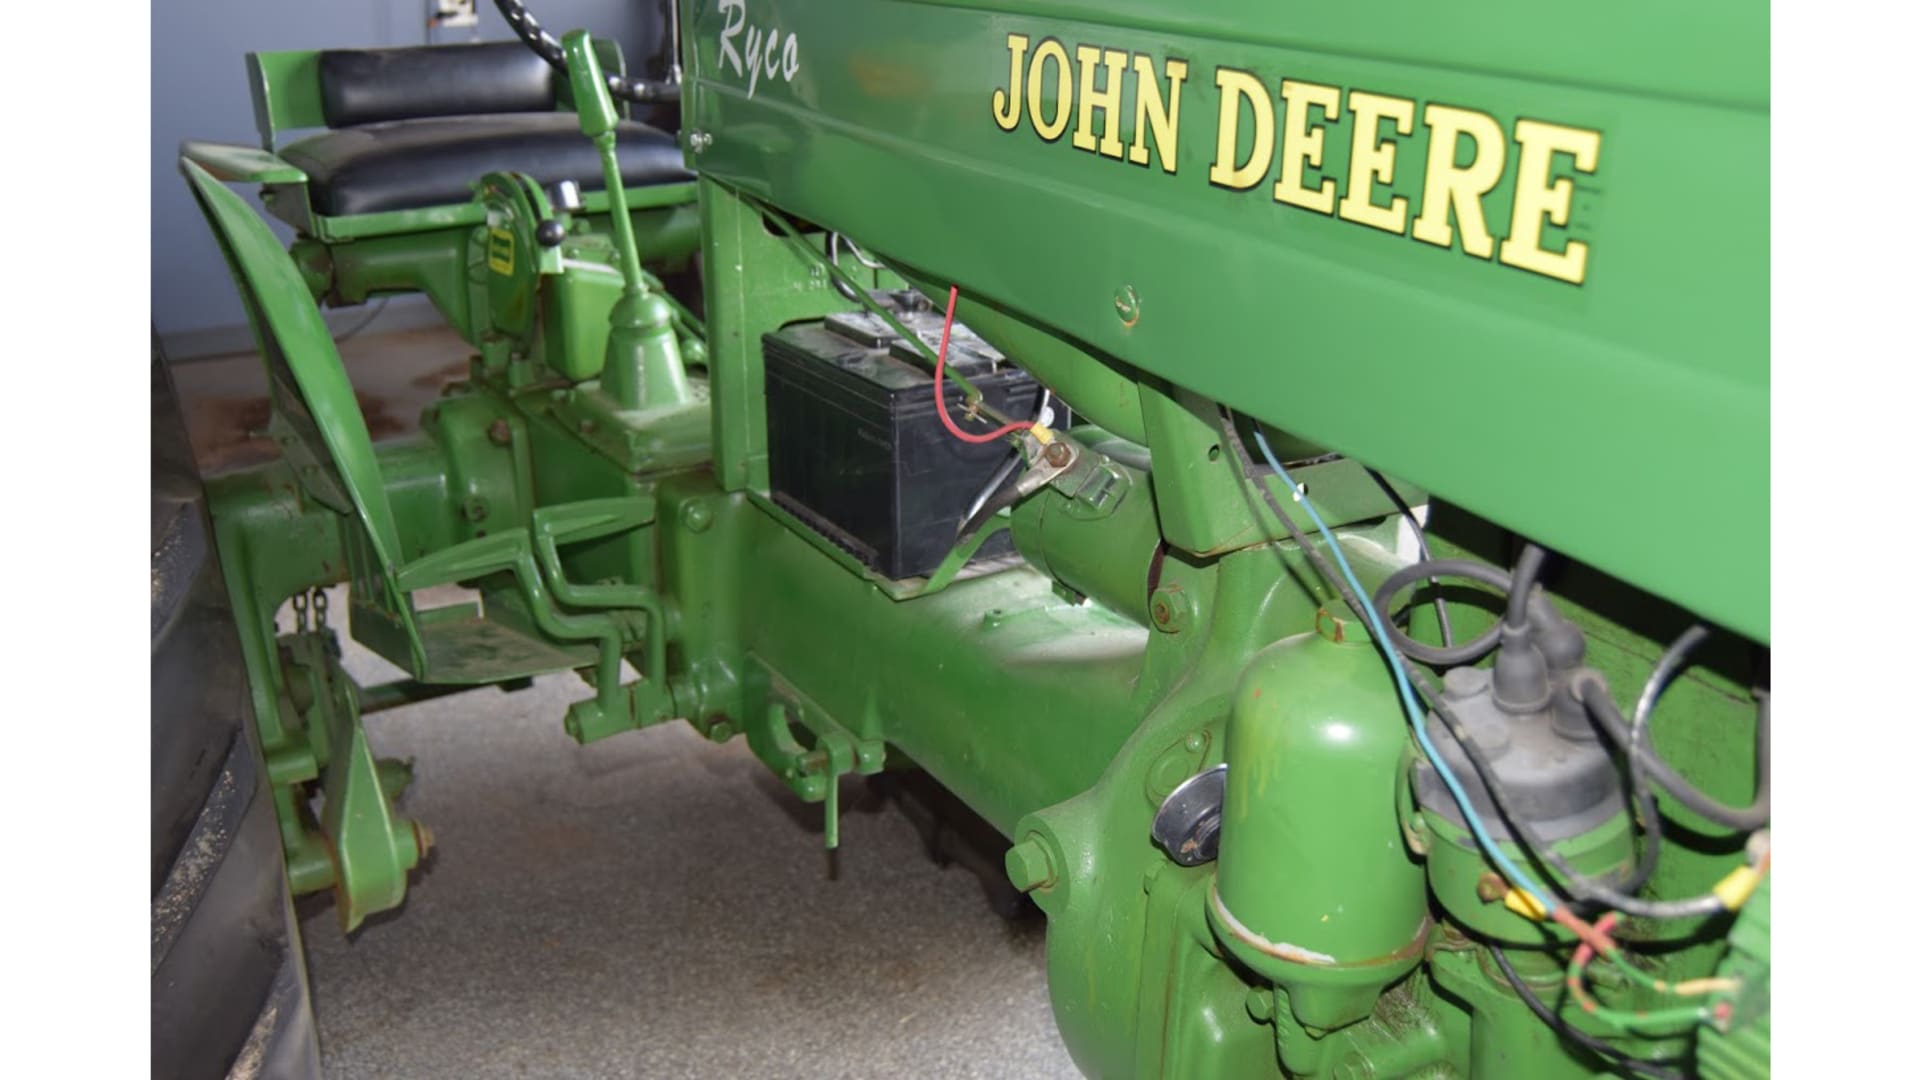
319,609
547,47
300,612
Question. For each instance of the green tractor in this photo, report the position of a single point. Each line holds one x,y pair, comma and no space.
1239,443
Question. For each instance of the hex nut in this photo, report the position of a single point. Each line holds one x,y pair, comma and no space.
1029,866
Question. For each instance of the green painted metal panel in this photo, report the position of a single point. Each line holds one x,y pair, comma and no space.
286,92
241,164
289,318
1574,413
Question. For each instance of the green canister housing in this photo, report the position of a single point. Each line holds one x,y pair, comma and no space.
1316,725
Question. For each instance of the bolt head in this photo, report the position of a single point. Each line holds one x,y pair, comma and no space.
1029,866
1491,887
500,432
1170,609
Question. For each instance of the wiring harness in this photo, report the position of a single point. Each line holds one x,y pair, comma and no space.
1693,1001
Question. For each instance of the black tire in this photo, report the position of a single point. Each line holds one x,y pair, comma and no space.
230,994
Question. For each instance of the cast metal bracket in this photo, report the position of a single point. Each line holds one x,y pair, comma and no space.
813,774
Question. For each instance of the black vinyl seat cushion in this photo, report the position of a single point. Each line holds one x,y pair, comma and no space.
433,161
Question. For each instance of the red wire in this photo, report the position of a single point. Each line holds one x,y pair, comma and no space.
1587,948
1592,937
940,393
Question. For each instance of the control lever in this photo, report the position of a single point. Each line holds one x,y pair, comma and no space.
644,369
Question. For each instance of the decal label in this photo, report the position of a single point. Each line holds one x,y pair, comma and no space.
500,250
767,53
1345,152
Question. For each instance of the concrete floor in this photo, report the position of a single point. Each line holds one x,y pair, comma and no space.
652,905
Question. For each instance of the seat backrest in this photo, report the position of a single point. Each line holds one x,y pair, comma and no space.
365,86
334,88
316,418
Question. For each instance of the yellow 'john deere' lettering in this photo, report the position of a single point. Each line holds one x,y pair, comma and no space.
1431,172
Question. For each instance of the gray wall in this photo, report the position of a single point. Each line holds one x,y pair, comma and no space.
200,92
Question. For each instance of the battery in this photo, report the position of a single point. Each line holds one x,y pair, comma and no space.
855,449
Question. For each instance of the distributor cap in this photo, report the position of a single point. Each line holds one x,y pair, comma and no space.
1563,785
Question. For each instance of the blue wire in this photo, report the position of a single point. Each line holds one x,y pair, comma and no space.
1415,713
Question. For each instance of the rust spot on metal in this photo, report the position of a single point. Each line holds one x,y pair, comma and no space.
340,900
379,423
437,376
230,432
1406,952
1296,954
